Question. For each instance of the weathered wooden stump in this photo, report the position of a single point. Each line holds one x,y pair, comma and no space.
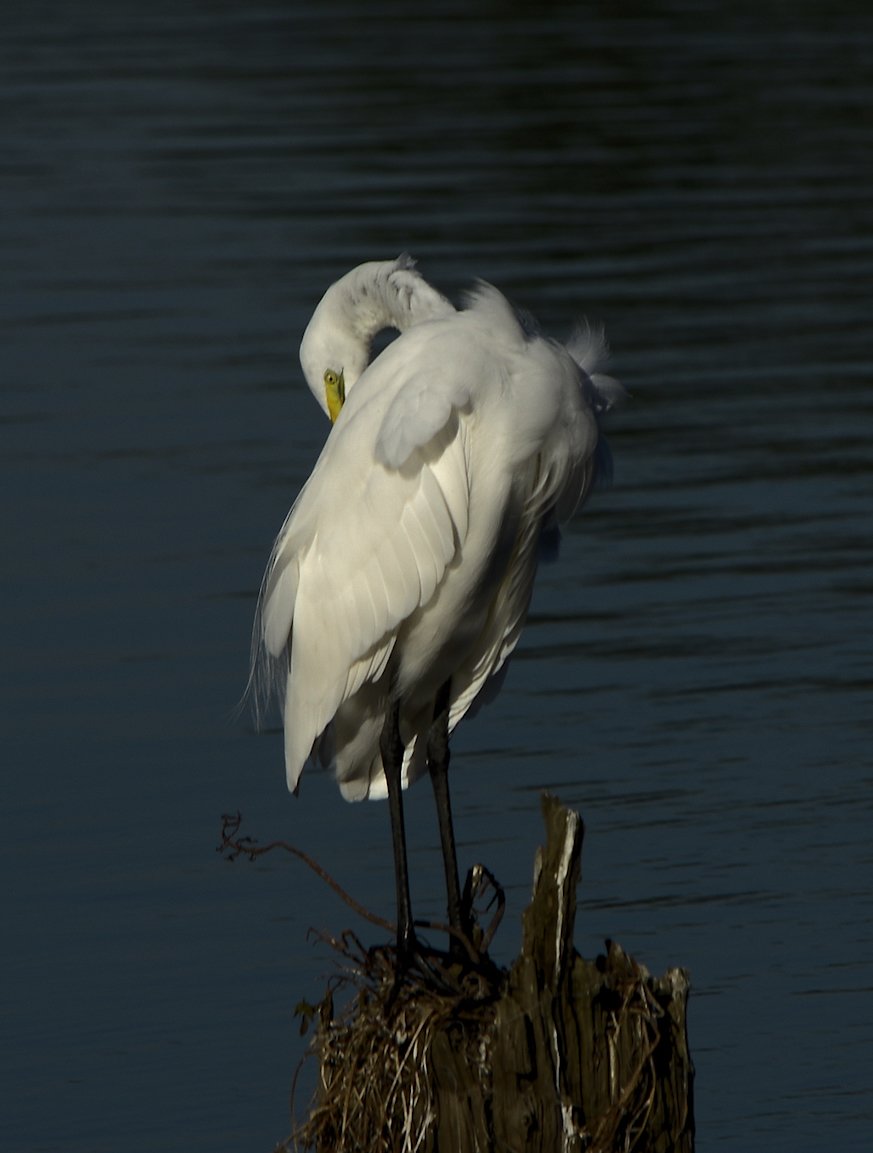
557,1054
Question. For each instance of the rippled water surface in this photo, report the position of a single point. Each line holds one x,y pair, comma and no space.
179,185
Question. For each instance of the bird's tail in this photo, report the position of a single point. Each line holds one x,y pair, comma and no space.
589,348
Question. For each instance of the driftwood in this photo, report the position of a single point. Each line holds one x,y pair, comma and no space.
555,1054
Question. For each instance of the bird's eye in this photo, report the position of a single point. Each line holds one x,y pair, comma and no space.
331,379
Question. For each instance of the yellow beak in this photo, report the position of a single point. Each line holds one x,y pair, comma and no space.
335,394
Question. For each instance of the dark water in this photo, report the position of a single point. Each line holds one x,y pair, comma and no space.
179,184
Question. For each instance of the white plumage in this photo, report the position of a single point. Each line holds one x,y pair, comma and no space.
408,559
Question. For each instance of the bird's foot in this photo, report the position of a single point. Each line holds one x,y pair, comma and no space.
418,967
482,887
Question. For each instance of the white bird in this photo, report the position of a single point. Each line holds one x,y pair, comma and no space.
400,581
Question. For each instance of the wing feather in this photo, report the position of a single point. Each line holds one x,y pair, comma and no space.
426,546
342,582
421,412
548,487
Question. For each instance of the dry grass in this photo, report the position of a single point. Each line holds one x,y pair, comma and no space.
636,1026
376,1080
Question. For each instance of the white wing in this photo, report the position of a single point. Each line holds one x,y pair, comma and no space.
420,411
365,546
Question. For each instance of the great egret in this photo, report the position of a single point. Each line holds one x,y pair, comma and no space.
400,581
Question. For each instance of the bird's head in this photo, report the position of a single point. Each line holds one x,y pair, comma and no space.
378,295
332,360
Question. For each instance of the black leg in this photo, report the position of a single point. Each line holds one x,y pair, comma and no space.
438,766
391,748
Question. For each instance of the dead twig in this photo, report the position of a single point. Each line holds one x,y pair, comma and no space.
233,846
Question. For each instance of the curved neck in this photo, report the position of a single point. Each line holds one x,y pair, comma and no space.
386,294
374,296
